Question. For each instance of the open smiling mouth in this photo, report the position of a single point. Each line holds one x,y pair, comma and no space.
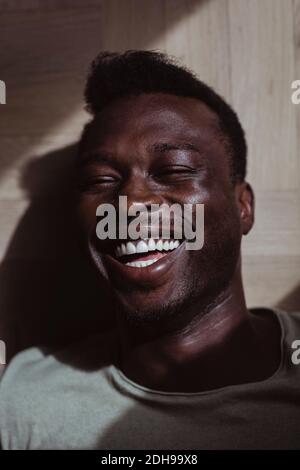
143,261
143,253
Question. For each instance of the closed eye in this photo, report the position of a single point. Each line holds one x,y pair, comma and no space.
104,179
174,172
177,169
97,182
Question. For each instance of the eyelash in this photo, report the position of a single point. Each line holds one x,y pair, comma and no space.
107,181
91,183
169,171
178,169
103,179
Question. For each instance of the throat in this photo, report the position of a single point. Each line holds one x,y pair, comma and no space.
168,365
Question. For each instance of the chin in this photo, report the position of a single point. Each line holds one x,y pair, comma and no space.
137,310
154,312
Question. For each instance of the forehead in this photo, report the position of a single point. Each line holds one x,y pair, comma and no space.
158,116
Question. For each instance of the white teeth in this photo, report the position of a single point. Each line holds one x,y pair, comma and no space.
130,248
159,245
144,246
166,246
151,244
141,264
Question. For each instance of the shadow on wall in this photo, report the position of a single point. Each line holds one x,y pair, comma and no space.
50,294
45,83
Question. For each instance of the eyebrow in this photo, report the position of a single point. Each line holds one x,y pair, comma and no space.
158,147
165,147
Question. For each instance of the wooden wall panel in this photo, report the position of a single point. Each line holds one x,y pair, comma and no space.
249,50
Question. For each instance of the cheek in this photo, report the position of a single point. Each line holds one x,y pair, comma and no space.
86,213
221,217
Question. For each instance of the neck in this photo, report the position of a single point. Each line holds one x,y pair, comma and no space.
221,342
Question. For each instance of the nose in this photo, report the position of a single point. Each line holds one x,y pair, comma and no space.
139,193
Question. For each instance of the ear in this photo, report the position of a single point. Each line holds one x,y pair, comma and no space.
246,205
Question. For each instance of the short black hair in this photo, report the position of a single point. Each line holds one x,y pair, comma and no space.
114,75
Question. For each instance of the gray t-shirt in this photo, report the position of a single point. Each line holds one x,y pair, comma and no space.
69,400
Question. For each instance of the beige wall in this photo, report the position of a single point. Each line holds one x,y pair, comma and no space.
247,49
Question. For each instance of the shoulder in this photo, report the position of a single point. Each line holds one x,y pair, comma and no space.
290,322
17,396
37,364
33,382
21,367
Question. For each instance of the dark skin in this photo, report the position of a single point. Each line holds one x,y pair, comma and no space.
182,323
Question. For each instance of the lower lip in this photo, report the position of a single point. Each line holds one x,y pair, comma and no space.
143,275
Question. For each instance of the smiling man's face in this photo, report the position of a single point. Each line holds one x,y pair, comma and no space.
154,149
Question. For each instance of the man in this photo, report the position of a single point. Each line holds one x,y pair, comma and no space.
190,367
